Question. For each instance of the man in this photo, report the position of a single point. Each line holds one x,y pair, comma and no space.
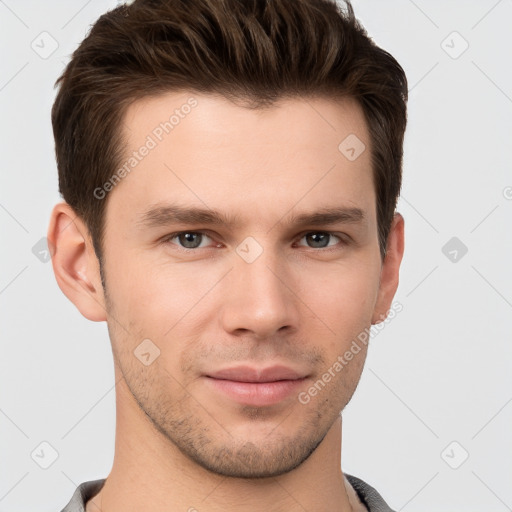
230,171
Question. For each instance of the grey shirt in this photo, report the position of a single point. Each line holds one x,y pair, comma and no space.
370,498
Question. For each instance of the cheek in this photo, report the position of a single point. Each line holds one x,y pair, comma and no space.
151,298
345,295
159,299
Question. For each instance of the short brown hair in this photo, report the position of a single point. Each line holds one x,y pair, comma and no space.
257,51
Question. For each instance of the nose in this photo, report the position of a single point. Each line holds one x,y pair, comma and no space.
259,298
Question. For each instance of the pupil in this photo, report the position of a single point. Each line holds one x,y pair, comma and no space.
187,240
319,239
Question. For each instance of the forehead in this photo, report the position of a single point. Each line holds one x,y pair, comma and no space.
215,116
203,149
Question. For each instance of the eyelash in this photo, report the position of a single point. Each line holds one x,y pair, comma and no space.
343,240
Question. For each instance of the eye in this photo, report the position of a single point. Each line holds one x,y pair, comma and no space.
190,240
187,239
320,239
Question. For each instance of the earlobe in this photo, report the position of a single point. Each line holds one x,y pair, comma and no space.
389,277
74,262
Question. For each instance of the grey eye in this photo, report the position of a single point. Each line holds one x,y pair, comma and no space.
319,239
190,240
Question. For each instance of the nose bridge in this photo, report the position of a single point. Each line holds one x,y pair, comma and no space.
259,294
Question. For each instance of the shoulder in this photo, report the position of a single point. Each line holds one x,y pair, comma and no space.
370,497
82,494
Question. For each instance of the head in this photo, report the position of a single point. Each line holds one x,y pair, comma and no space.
269,135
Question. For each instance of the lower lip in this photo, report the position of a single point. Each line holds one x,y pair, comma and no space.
256,393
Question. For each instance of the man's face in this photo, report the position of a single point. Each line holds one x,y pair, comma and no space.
261,290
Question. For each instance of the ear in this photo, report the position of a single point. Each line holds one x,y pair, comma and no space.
74,262
389,275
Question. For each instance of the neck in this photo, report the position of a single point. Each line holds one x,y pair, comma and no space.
149,473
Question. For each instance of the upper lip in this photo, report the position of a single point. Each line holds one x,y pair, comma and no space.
251,374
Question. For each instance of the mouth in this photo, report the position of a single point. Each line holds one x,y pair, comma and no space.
257,387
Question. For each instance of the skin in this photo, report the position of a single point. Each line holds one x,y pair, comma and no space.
181,445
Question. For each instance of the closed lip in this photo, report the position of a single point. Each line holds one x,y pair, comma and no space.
252,374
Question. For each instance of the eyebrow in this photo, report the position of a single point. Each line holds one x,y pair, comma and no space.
165,214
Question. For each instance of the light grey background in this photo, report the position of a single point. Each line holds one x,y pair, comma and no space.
437,386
